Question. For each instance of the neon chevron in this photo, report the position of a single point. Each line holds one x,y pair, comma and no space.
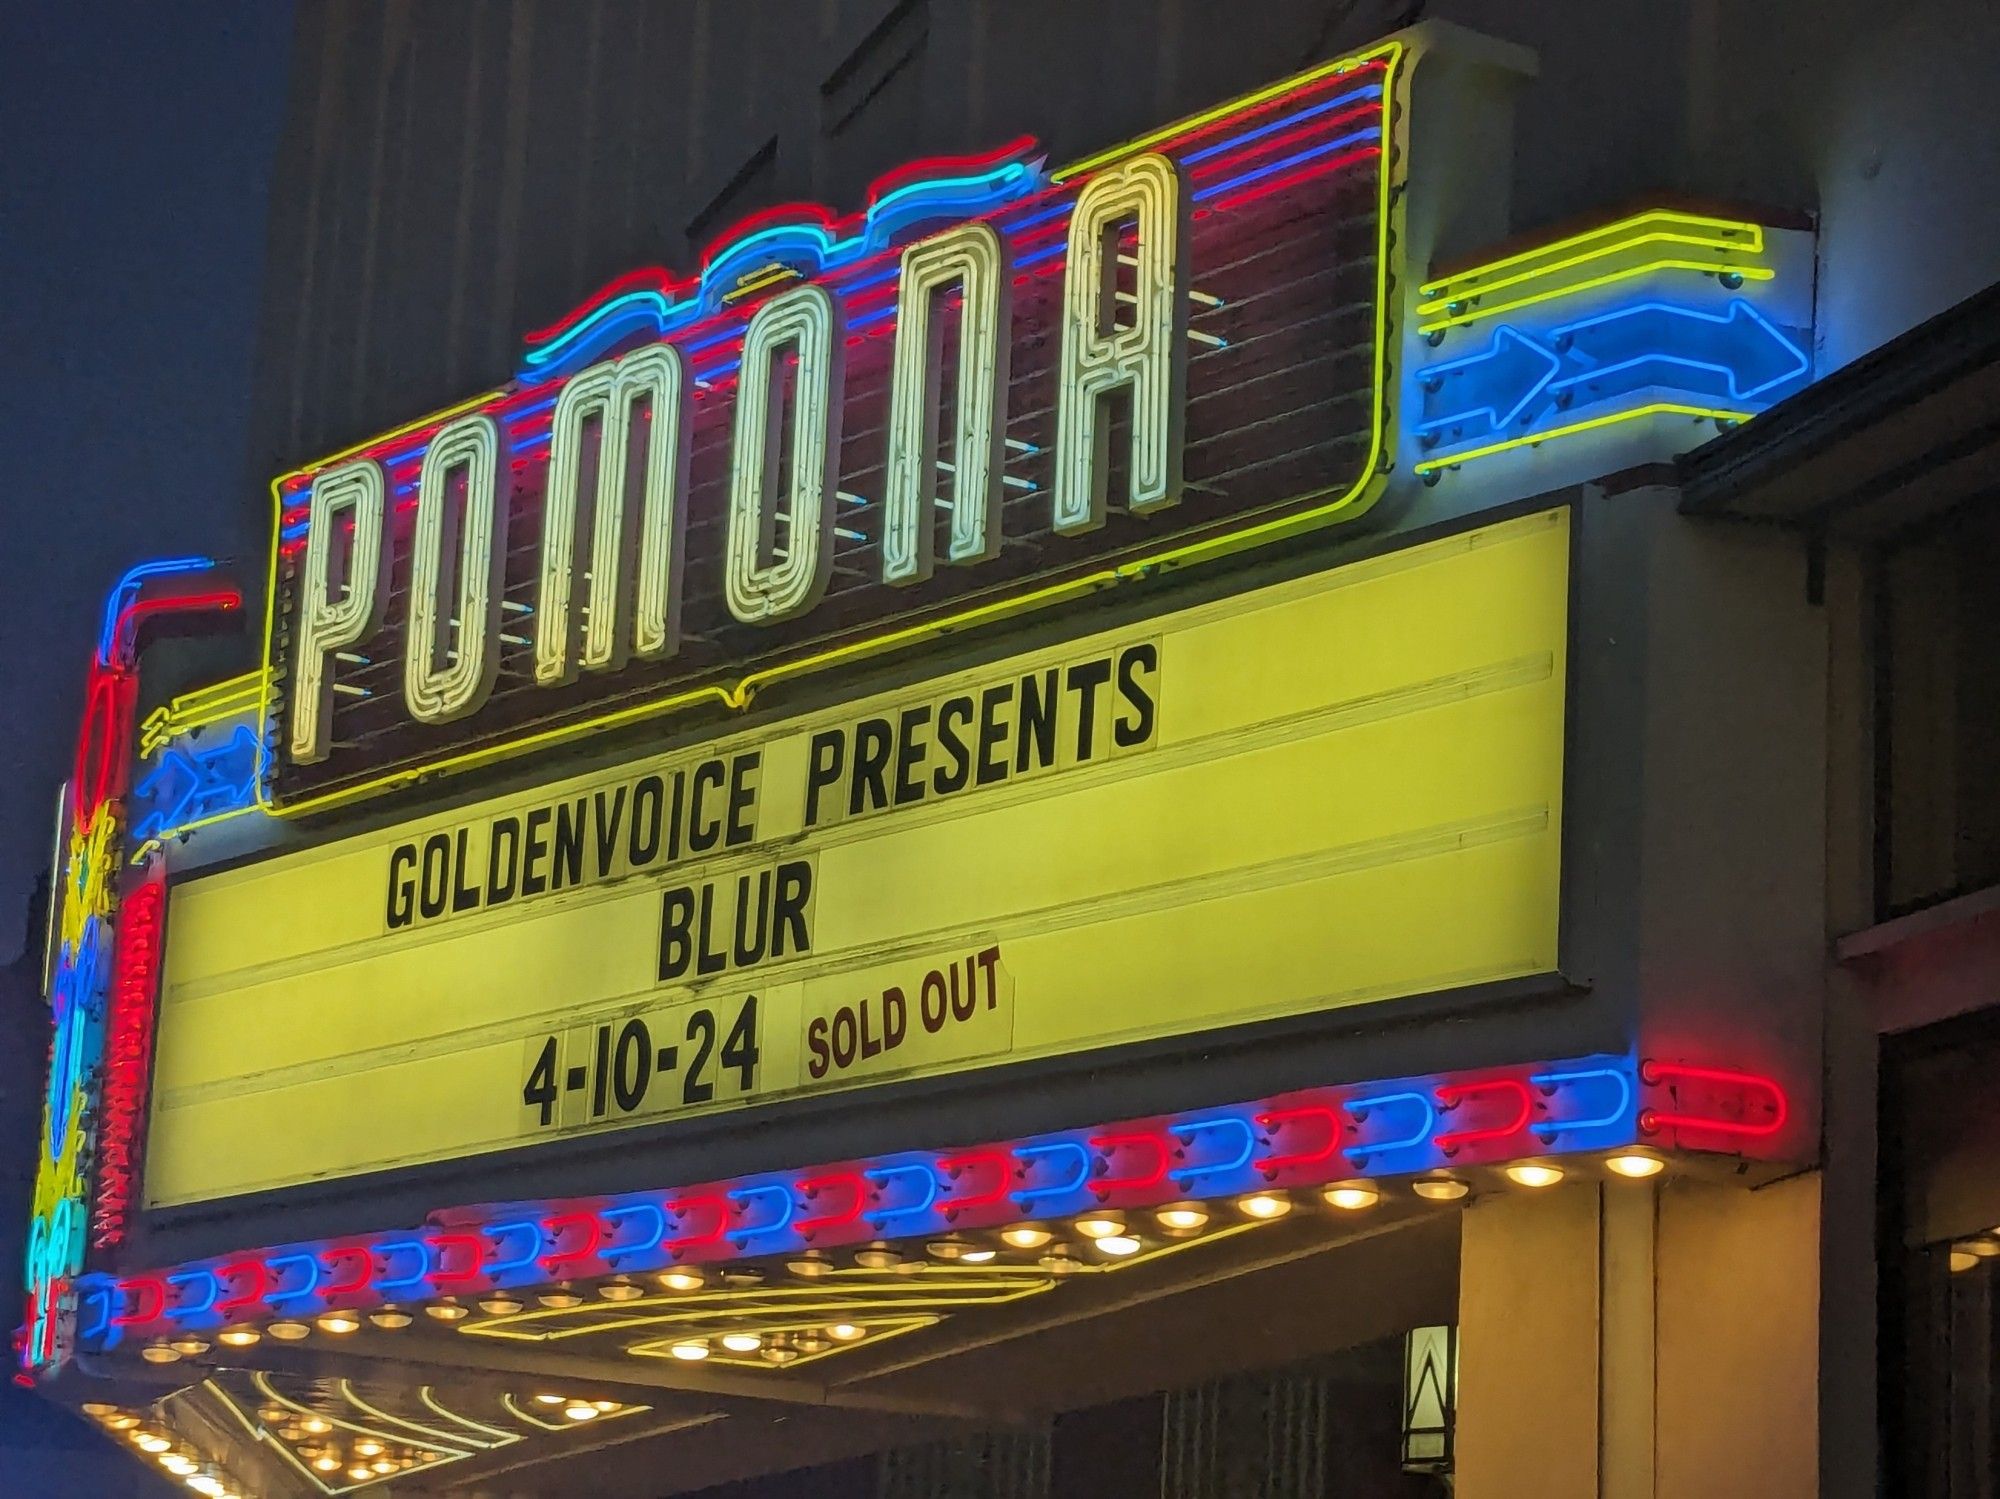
1659,239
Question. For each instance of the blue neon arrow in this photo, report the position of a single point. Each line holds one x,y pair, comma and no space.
1495,385
1744,348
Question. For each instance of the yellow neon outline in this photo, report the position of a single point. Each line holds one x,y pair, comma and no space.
1657,408
505,1438
197,710
739,696
1391,50
1728,234
154,845
346,1388
257,1434
262,1380
988,1287
1474,314
893,1327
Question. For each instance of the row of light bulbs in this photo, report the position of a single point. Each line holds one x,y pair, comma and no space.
367,1458
174,1457
1110,1236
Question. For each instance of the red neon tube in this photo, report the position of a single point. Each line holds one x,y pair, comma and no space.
1000,1162
812,1186
1665,1074
713,1202
1280,1119
593,1234
1110,1146
475,1252
1452,1096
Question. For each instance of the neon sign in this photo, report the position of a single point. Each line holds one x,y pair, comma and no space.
1428,1128
996,387
1663,314
102,979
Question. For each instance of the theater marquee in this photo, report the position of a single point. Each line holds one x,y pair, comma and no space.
997,387
1331,791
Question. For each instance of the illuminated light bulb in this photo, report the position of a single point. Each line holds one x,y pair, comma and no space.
606,1407
179,1465
288,1332
326,1462
846,1332
692,1350
359,1473
500,1304
385,1465
809,1342
1984,1248
367,1447
189,1346
1117,1245
558,1298
1961,1260
123,1421
878,1256
1530,1174
778,1353
742,1342
1635,1164
1025,1236
1100,1226
952,1248
292,1432
316,1426
683,1278
159,1353
239,1337
98,1408
338,1323
1352,1197
1060,1260
447,1311
201,1483
549,1399
621,1289
1264,1205
153,1443
811,1263
1181,1217
390,1317
1439,1188
978,1256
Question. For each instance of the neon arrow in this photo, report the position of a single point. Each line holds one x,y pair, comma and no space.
1495,385
1746,350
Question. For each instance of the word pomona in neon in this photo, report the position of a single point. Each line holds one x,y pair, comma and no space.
611,582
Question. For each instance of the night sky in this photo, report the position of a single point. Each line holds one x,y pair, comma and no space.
136,142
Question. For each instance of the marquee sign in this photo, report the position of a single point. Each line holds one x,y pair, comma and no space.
1157,830
995,388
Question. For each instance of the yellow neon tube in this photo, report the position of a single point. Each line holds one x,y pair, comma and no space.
1391,50
1625,273
739,696
1725,234
1658,408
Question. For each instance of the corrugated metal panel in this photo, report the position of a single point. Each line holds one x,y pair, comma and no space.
1259,1436
992,1465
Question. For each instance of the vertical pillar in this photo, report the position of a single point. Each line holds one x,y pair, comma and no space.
1633,1341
